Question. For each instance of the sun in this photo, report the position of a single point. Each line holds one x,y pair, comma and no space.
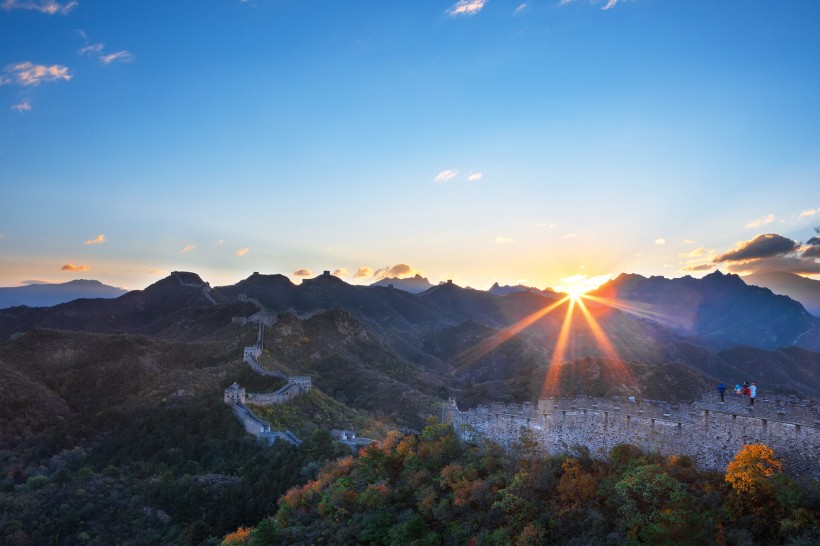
575,292
578,285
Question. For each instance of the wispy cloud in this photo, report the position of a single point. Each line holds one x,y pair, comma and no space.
521,7
699,267
28,74
446,175
768,219
119,56
363,271
503,240
98,50
569,236
187,248
475,176
660,241
24,106
49,7
2,235
341,272
809,212
467,7
72,267
610,4
156,272
98,240
303,273
697,253
688,241
242,251
91,49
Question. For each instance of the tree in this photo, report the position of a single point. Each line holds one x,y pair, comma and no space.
751,470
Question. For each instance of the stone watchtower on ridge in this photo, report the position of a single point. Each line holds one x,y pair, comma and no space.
235,394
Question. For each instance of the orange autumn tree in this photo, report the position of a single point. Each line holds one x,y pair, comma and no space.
750,470
238,537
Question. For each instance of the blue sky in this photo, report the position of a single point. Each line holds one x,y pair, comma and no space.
479,141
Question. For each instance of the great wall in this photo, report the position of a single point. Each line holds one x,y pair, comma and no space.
708,431
237,398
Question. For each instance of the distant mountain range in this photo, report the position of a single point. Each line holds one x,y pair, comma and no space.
500,290
721,309
802,289
681,334
46,295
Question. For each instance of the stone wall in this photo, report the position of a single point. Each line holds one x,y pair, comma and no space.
707,431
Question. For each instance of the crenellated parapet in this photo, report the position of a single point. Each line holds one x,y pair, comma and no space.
709,432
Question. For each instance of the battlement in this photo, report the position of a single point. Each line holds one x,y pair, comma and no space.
709,431
295,386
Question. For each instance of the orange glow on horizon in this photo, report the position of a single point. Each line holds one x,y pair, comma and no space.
577,285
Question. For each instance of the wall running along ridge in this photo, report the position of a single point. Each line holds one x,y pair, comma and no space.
709,432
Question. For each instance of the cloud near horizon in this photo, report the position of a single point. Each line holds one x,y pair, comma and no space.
503,240
762,246
49,7
768,252
467,7
72,267
341,272
242,251
303,273
475,176
98,240
28,74
699,267
363,271
697,253
187,248
401,271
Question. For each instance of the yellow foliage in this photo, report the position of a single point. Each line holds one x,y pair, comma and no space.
238,537
751,468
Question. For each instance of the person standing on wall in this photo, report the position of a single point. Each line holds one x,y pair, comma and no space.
721,389
752,394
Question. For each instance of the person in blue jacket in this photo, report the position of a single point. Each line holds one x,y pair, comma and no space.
721,389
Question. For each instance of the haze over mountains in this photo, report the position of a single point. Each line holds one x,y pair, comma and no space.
802,289
46,295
